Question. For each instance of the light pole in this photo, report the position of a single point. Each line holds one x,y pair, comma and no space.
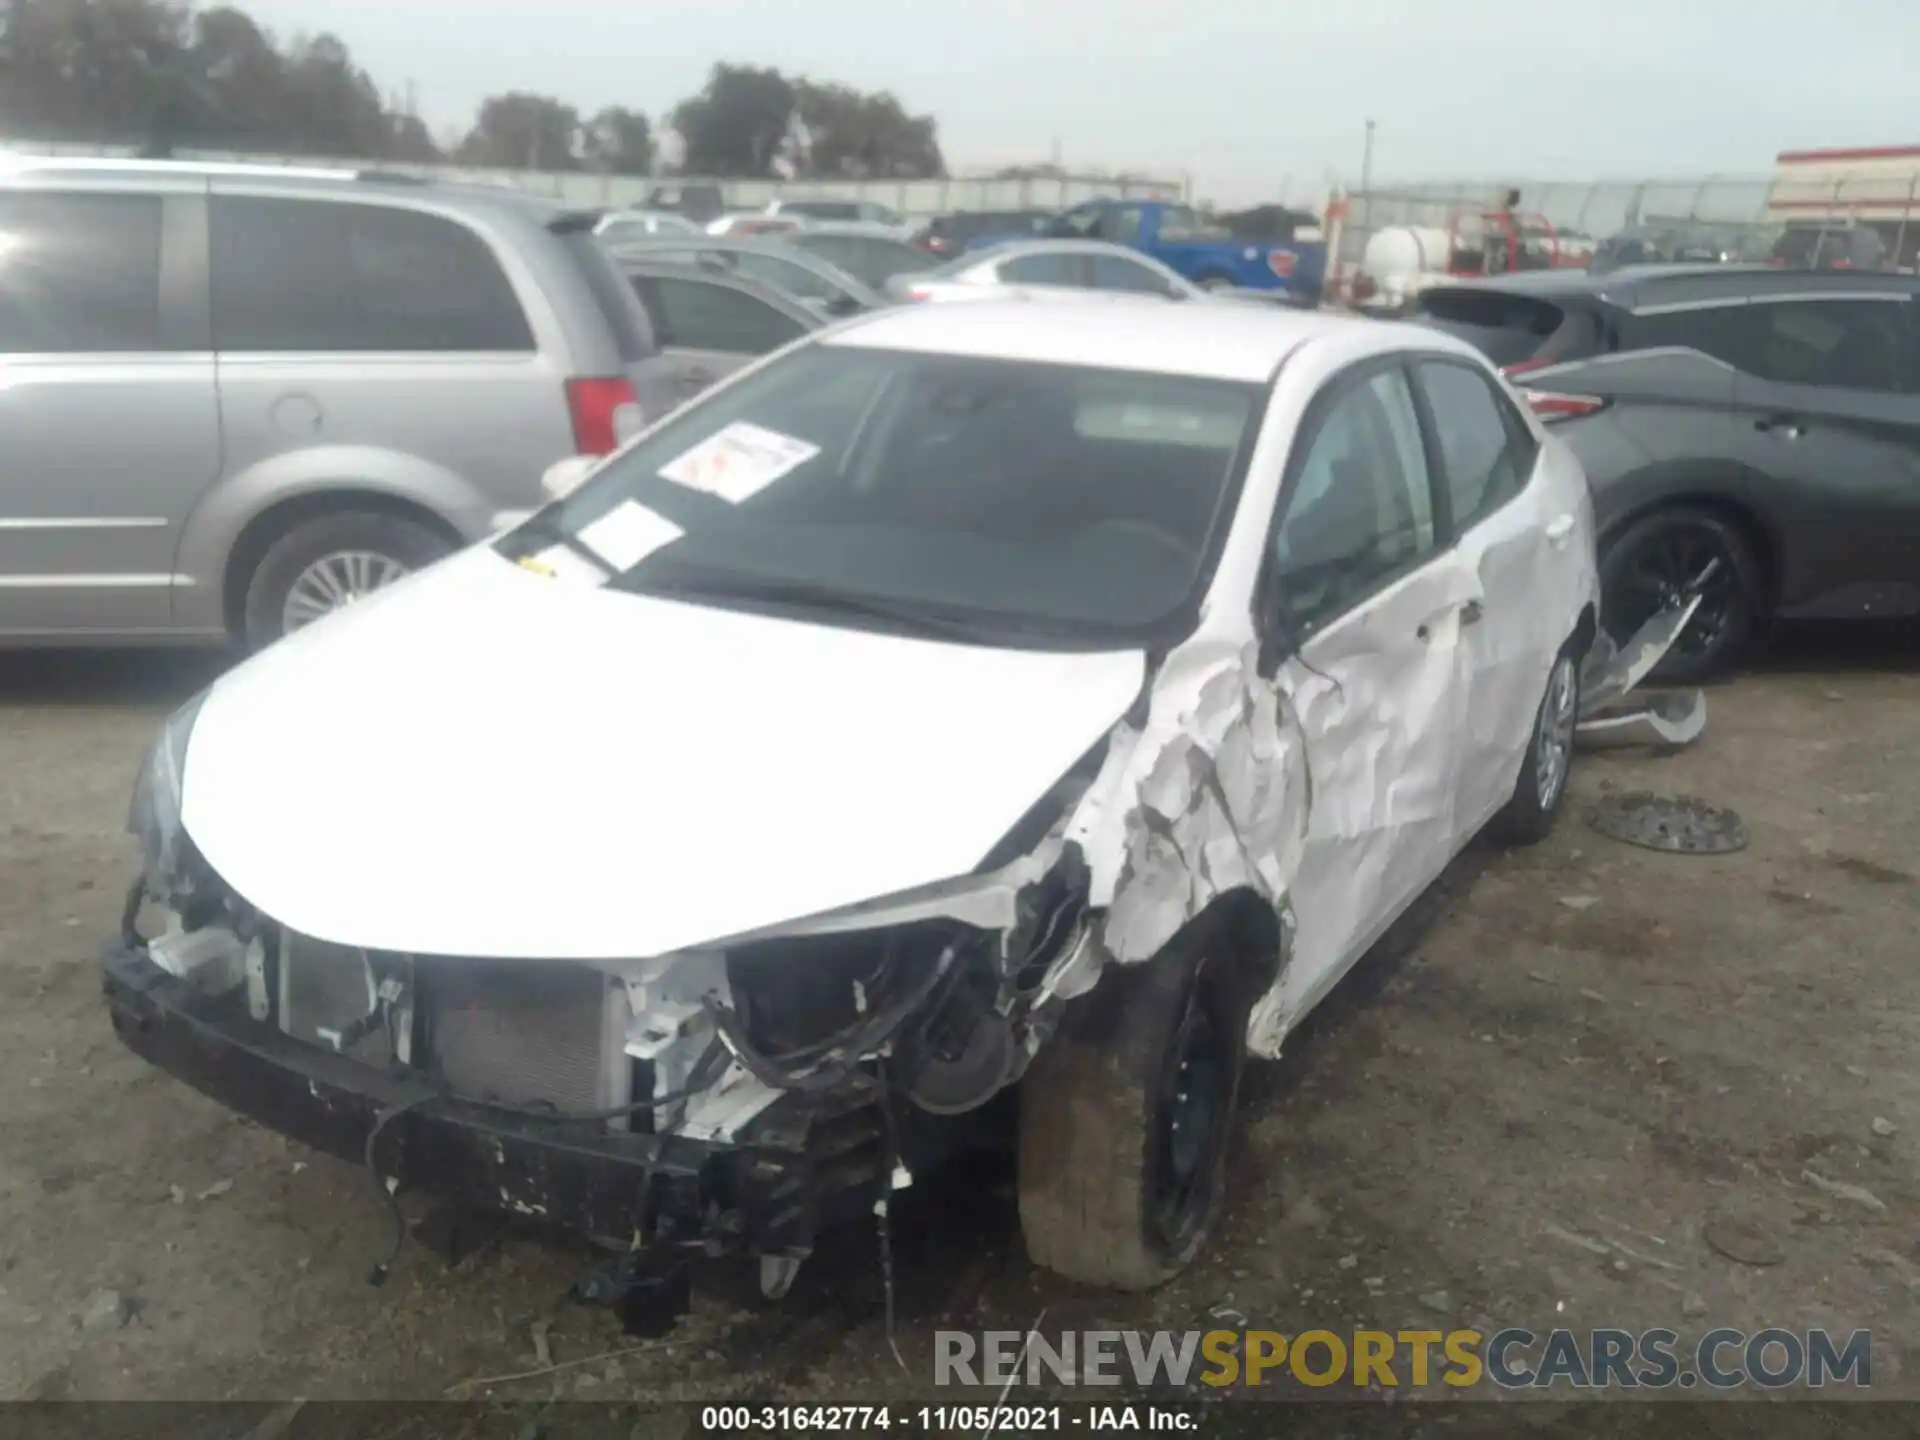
1366,182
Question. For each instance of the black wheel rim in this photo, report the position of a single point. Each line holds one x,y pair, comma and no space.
1658,570
1192,1109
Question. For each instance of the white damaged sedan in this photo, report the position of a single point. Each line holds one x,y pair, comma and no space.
995,715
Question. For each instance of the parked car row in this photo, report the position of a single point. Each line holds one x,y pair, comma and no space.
237,398
1748,430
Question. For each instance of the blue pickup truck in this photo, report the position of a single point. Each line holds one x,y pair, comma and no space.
1175,236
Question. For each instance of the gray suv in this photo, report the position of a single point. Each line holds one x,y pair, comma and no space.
233,398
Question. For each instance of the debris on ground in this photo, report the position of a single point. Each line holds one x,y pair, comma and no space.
1742,1238
215,1190
1884,1127
1841,1190
1579,902
1678,824
1438,1301
542,1355
105,1310
1596,1247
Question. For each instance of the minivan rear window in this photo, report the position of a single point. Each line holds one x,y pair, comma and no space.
1505,327
323,275
628,322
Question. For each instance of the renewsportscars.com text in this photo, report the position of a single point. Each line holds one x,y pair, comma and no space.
1512,1359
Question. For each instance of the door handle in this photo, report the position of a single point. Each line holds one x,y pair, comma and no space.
1471,612
1558,529
1784,426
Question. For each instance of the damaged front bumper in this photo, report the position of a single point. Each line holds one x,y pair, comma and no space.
805,1163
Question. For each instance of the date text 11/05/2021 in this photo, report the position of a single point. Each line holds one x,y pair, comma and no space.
949,1419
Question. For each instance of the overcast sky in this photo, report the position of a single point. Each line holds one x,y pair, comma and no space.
1249,96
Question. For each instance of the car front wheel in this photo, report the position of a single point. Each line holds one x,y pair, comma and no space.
1124,1117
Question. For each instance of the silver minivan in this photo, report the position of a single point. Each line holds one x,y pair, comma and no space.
234,398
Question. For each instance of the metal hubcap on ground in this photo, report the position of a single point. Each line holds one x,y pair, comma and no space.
1557,717
1194,1103
1666,566
336,580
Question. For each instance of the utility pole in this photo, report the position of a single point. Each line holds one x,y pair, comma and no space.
1366,184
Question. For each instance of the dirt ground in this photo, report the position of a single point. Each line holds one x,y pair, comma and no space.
1581,1066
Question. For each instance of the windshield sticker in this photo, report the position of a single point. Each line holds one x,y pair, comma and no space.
739,462
627,534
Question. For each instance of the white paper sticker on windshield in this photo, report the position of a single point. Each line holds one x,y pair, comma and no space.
628,533
739,462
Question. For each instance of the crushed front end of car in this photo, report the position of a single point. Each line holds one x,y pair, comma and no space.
736,1099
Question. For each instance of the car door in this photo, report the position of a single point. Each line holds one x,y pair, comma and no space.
1827,404
108,414
1359,592
1512,527
709,327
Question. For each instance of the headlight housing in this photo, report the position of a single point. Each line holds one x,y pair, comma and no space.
154,816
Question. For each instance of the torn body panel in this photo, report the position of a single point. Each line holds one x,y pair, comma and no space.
1661,718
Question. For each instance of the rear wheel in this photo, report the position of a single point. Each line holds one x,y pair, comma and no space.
1660,556
330,561
1125,1113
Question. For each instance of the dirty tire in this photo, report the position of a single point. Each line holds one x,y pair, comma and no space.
1742,597
409,542
1094,1111
1527,819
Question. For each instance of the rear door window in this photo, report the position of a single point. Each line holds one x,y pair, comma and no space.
322,275
1476,439
79,274
1111,272
1715,330
1045,269
691,314
1849,344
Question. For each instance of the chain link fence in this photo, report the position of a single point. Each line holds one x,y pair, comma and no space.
1746,213
914,199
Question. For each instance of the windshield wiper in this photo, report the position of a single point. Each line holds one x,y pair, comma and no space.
823,599
544,528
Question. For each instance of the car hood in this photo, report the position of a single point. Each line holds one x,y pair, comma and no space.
486,761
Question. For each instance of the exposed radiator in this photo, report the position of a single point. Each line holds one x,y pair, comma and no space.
544,1033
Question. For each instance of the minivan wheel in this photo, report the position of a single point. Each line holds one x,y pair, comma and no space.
1655,559
1125,1114
1541,791
328,562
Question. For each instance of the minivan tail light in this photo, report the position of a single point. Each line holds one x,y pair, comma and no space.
604,413
1521,367
1551,406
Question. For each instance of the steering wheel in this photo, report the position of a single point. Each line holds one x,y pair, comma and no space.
1160,535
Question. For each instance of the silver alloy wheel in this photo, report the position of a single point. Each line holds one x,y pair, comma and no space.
1555,739
336,580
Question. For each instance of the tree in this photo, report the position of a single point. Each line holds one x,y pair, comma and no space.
739,125
330,104
242,81
91,69
846,135
523,131
617,141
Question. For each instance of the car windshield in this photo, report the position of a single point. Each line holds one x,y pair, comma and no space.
1001,501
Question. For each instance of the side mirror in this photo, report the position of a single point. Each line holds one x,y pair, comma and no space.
563,477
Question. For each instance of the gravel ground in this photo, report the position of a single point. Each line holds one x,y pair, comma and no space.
1579,1070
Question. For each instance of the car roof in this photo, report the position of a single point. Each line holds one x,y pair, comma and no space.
306,180
1197,338
1633,287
